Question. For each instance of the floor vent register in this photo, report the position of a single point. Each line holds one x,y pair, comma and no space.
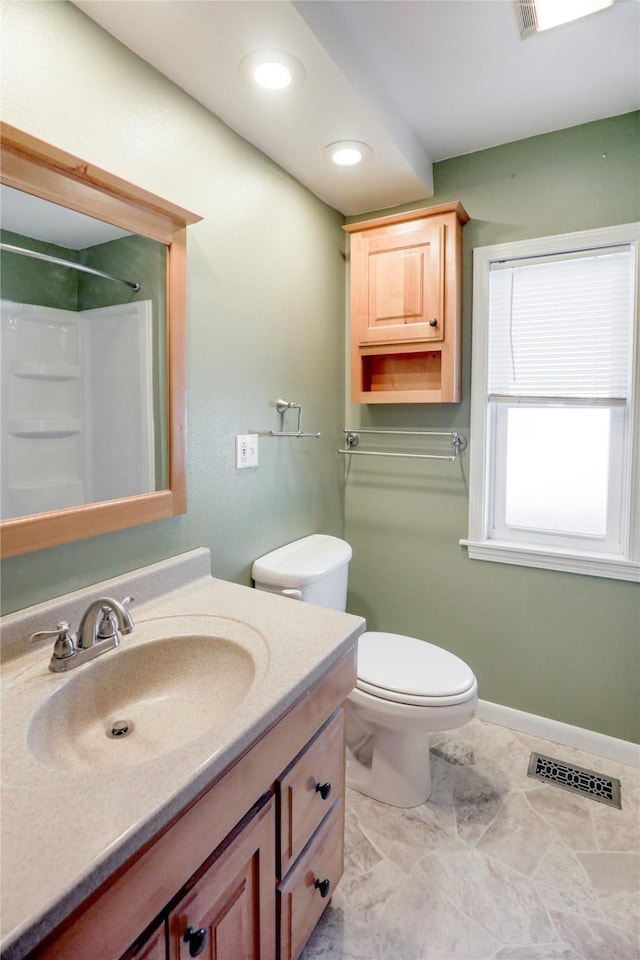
587,783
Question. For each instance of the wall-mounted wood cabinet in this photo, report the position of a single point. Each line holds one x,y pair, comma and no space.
406,306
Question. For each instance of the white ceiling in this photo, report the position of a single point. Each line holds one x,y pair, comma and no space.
34,217
418,80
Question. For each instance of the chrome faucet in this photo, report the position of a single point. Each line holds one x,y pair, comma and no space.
101,621
100,626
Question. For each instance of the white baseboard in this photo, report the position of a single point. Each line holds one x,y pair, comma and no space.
622,751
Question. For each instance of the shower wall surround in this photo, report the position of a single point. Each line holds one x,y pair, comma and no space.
77,420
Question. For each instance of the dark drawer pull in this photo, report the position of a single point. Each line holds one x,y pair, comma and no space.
323,886
196,939
324,789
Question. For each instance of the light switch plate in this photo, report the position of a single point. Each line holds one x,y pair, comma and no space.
246,450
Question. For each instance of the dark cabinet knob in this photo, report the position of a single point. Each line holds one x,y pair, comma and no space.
196,939
324,789
323,886
433,323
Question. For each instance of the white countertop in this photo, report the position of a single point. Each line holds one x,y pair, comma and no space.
65,830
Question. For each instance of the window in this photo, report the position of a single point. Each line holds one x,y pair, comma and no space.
555,417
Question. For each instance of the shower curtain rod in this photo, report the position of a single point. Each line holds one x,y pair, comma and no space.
9,248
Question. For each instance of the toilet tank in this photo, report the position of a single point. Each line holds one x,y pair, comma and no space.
314,569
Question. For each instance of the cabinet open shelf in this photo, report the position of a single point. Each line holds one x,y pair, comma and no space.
44,429
46,371
401,377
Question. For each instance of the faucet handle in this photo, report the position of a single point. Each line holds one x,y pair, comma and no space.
64,647
62,627
107,627
127,616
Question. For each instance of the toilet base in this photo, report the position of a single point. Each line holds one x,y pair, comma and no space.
388,745
397,772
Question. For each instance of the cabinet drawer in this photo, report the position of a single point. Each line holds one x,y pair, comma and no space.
307,789
300,900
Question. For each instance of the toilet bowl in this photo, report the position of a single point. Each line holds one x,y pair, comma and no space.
405,688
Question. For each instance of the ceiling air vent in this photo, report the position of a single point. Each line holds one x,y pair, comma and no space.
588,783
526,16
534,16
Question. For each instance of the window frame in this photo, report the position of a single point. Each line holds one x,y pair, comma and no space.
481,545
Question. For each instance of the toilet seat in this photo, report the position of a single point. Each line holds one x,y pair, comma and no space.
406,670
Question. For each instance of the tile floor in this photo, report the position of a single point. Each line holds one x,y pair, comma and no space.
495,864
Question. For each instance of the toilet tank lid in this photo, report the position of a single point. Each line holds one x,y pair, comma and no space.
301,562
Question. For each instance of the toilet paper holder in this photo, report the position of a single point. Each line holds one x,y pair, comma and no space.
281,407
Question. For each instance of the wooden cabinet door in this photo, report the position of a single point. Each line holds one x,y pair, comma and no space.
230,912
398,283
154,947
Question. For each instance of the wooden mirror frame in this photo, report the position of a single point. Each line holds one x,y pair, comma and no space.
36,167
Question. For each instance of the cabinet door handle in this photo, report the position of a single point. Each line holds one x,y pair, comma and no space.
323,886
324,789
196,939
433,323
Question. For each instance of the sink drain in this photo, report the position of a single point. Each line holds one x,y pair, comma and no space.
119,729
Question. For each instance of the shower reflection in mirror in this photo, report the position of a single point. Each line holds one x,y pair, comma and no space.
83,359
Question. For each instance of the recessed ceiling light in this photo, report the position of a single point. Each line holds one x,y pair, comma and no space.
272,75
273,70
537,15
347,153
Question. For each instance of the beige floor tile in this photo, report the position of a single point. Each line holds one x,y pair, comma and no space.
492,894
434,927
623,910
595,939
478,795
402,836
495,866
564,885
517,836
618,829
538,951
568,814
613,872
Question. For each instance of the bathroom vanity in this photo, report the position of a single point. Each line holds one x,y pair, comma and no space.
231,835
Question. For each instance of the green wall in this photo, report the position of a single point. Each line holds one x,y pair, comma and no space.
25,280
557,645
265,300
266,319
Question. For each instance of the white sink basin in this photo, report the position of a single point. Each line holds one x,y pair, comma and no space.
144,700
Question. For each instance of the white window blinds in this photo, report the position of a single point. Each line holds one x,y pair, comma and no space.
561,329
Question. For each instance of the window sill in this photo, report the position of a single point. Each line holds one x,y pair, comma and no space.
588,564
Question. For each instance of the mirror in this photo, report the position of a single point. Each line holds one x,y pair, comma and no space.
92,414
83,360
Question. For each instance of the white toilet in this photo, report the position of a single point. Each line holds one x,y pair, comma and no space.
405,687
